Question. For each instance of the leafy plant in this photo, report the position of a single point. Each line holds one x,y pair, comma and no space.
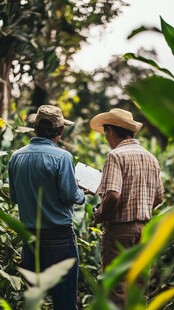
154,94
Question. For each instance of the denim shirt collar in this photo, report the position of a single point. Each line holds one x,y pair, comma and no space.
40,140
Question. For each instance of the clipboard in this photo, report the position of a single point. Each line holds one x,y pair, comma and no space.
88,177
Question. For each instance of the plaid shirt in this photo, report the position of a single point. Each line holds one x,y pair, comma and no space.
134,173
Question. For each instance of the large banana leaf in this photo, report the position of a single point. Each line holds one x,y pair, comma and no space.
168,32
155,96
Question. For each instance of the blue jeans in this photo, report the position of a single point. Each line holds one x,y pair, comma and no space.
57,245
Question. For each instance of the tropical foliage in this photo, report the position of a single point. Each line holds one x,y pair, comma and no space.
38,40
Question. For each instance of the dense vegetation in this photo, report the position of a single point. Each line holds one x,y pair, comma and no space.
38,40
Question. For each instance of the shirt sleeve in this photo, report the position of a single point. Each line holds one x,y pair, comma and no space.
160,187
69,192
112,179
11,184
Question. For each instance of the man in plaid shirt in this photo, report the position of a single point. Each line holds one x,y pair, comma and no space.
130,188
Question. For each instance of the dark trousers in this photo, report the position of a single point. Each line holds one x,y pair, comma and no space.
127,234
57,245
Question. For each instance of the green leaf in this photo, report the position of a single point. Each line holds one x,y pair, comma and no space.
135,298
95,230
8,135
95,286
142,29
17,226
50,276
86,245
168,32
149,228
3,123
14,281
119,266
20,37
22,129
153,248
156,98
161,299
3,153
150,62
4,305
101,303
33,298
88,209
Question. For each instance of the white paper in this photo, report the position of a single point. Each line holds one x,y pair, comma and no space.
88,177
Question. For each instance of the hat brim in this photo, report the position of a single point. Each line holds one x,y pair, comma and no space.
108,118
32,120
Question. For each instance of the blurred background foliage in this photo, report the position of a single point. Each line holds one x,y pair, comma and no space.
38,41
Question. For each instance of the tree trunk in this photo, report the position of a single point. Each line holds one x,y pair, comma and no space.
4,89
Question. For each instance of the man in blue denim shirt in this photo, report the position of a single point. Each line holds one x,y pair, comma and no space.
42,166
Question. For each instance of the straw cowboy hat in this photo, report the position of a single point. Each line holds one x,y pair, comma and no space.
116,117
50,113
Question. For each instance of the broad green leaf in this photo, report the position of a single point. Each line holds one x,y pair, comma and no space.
17,226
155,96
135,299
150,227
33,298
14,281
50,276
119,266
168,32
153,248
95,286
160,300
142,29
88,209
150,62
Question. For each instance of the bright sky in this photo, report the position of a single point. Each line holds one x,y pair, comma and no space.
112,41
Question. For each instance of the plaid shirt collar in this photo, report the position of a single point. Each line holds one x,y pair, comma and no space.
128,141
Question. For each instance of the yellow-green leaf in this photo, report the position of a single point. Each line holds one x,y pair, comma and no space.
96,230
2,123
4,304
161,299
153,248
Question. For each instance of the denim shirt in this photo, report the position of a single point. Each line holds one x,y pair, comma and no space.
45,166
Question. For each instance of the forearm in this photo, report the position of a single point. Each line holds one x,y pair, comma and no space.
106,210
